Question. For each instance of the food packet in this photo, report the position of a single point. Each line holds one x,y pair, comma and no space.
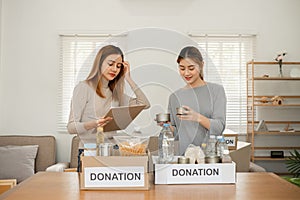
195,154
132,145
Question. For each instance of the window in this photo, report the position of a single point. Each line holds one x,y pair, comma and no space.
225,60
77,55
225,63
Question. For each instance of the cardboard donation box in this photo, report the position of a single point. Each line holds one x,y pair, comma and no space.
218,173
114,173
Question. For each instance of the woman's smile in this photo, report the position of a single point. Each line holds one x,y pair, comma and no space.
188,78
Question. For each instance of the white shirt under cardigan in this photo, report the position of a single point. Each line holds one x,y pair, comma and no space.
87,105
208,100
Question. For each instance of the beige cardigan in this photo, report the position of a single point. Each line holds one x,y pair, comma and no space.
86,105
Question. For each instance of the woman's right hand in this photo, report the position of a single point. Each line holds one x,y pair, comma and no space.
189,115
161,123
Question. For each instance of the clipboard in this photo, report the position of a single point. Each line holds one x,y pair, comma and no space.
122,117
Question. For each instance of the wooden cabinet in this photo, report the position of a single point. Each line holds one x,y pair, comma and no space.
273,107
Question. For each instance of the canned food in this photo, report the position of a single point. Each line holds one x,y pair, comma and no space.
212,159
105,149
183,160
162,117
181,111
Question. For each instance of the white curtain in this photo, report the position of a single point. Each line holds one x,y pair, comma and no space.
225,58
77,53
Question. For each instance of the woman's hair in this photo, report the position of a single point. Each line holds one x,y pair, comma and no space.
194,54
117,84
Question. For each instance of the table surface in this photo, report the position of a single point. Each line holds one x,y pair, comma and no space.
65,185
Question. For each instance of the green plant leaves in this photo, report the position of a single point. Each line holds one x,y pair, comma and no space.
293,163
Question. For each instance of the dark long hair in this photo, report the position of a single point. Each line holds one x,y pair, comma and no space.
194,54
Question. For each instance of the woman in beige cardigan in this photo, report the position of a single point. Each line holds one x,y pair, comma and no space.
102,89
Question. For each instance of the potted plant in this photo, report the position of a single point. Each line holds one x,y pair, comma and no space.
293,166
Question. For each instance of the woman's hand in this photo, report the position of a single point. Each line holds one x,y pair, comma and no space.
103,121
161,124
189,115
126,68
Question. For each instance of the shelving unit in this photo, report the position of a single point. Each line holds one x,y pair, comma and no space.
261,75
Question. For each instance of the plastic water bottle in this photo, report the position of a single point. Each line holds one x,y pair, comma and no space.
226,158
222,146
211,148
99,138
223,150
165,145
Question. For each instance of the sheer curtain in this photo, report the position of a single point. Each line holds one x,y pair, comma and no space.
225,58
77,53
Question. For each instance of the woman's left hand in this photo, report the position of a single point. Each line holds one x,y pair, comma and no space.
189,115
126,68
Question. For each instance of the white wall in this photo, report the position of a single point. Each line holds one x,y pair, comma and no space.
30,48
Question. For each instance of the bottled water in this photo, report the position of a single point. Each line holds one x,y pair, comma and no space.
99,139
211,148
222,146
165,145
223,151
226,157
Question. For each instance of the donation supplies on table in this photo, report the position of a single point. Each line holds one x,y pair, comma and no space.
122,165
209,164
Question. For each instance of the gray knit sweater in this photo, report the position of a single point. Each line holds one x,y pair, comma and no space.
208,100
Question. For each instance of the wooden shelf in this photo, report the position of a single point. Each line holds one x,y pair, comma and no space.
277,132
282,105
256,100
257,97
268,158
272,63
276,78
282,148
277,122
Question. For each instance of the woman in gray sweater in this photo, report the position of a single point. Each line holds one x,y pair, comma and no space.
204,103
102,89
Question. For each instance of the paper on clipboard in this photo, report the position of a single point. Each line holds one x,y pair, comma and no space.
122,117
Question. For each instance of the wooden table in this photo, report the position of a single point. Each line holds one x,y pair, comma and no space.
65,185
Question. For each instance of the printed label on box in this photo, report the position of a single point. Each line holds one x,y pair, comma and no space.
114,176
230,141
194,173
